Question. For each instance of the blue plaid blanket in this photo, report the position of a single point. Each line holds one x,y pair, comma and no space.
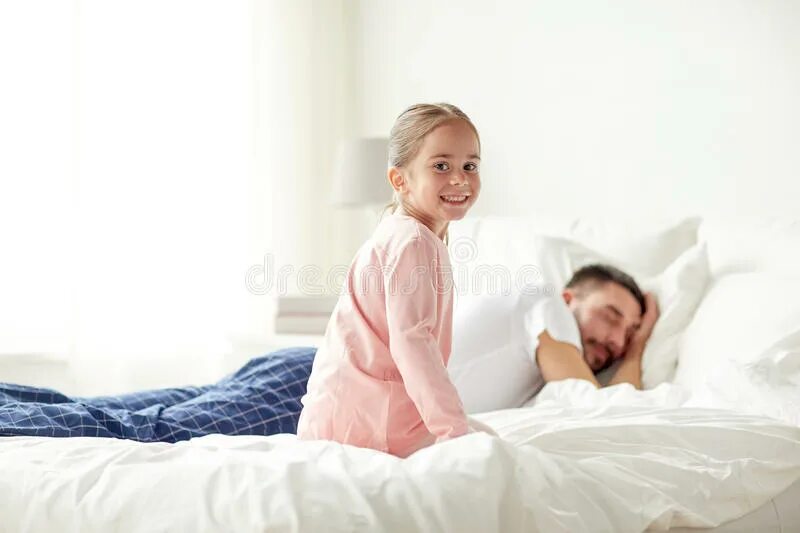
261,398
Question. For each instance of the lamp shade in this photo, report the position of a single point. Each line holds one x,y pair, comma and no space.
360,173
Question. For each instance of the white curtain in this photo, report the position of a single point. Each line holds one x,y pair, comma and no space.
152,153
37,160
147,151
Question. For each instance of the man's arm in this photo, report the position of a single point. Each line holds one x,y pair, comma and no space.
560,360
630,369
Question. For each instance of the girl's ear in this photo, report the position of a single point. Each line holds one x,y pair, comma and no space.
568,296
396,179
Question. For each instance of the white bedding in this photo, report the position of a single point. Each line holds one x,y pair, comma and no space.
579,460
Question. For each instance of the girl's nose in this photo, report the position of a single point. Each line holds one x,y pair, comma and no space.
458,178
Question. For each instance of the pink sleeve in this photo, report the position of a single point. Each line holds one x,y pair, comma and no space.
411,307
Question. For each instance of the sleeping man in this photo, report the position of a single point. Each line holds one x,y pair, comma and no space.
505,348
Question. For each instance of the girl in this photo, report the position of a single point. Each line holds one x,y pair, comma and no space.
379,379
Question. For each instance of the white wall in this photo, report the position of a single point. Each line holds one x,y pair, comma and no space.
673,107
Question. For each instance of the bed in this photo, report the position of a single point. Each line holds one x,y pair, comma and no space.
631,462
714,442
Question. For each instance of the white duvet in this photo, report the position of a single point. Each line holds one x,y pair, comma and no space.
579,460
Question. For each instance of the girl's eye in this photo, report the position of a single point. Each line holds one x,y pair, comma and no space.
470,167
441,166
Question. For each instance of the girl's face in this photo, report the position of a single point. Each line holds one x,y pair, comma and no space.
443,181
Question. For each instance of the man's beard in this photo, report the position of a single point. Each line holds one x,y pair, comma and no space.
608,362
609,358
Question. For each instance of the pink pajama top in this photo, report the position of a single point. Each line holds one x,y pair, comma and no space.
379,378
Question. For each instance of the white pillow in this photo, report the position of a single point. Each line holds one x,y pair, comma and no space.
767,386
678,289
649,246
742,319
739,244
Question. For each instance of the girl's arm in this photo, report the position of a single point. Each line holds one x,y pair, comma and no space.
411,307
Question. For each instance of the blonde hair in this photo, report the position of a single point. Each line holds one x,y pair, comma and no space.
410,129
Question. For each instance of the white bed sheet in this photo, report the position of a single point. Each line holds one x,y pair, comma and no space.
781,514
579,460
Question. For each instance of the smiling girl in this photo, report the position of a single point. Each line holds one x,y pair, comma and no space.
379,380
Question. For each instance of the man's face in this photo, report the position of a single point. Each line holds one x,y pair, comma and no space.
607,315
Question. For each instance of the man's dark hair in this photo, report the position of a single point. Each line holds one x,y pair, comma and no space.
590,275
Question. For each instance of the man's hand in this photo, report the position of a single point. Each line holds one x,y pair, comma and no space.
649,318
630,369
